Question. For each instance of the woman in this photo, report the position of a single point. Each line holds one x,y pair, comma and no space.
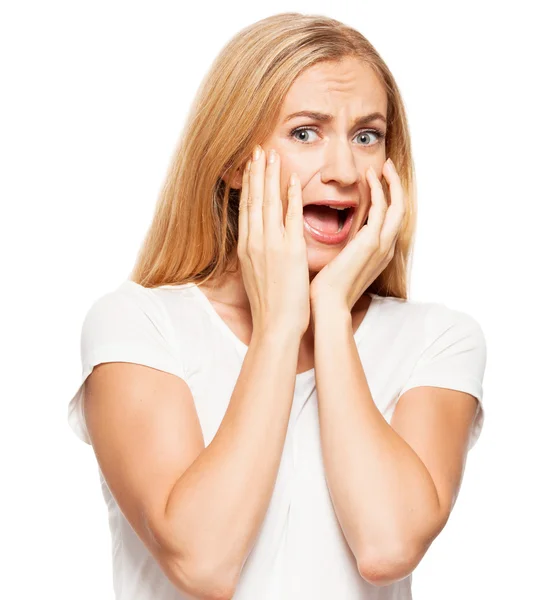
272,418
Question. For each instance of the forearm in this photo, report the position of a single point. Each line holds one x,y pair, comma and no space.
216,508
384,496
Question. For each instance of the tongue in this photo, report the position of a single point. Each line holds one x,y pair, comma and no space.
322,218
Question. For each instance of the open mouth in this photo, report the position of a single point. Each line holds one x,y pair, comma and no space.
326,224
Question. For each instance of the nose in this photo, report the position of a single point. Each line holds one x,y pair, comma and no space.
339,163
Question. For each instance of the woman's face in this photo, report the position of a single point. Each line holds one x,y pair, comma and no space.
331,156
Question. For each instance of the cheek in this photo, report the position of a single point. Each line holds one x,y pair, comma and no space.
286,169
285,174
365,195
291,161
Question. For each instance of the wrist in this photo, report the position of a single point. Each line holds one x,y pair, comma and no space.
326,307
282,336
329,315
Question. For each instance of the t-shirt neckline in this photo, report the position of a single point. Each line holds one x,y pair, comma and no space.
243,348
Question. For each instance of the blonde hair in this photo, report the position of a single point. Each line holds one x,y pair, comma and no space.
194,232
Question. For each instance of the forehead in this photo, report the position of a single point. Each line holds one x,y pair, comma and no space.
333,87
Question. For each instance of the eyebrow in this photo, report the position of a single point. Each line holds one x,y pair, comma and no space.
326,118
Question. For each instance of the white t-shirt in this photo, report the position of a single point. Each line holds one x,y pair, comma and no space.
300,552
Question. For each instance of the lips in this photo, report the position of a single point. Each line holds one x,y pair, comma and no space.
338,203
322,230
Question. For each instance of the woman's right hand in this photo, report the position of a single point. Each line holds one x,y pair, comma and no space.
273,258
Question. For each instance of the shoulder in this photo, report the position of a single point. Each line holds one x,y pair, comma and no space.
449,335
127,312
129,294
429,317
441,319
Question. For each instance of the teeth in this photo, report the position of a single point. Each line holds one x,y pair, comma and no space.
338,207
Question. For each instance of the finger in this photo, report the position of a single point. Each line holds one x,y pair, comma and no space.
294,213
255,209
376,215
272,205
396,210
243,210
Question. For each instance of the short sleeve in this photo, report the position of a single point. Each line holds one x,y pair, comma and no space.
130,325
454,357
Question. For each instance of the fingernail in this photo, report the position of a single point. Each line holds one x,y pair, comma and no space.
271,158
257,152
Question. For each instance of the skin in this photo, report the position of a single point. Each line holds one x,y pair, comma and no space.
331,162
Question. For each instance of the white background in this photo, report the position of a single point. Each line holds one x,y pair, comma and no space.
94,96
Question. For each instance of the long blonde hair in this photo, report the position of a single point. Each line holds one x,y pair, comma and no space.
194,231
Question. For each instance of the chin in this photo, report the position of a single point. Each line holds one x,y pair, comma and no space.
319,257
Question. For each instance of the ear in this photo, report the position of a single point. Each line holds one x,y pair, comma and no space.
236,181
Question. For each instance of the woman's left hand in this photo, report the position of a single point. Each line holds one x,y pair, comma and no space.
344,280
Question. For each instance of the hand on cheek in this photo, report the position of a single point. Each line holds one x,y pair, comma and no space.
343,280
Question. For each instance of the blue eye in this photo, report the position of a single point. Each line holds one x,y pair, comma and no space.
380,135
